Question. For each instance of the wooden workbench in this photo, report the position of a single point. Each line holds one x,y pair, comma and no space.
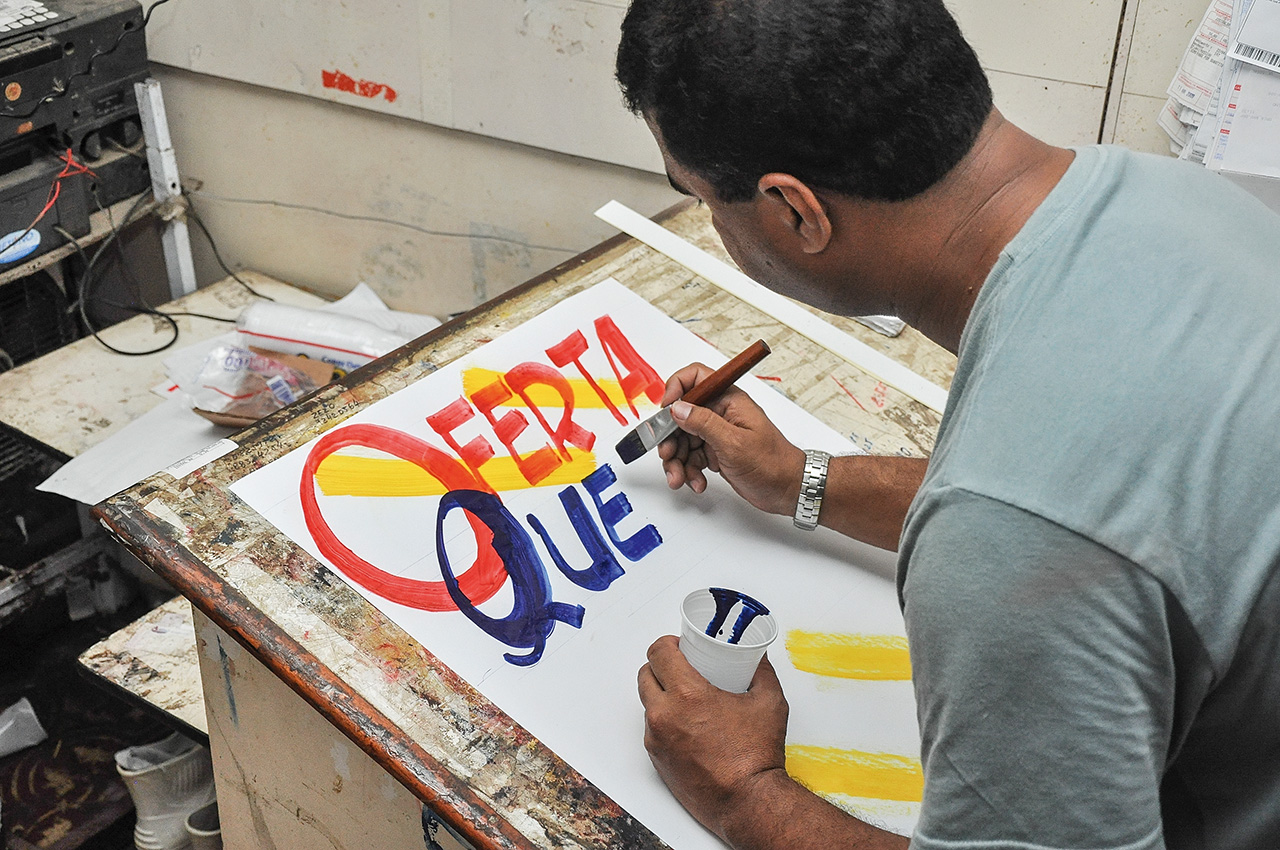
152,662
284,778
73,398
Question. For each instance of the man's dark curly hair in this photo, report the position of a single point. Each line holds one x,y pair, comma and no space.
876,99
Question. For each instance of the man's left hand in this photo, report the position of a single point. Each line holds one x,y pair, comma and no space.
710,746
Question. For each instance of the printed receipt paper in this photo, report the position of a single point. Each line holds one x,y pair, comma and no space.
593,557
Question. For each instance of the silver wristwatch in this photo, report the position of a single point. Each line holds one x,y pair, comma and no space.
812,486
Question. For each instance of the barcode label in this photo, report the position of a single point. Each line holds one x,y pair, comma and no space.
1257,56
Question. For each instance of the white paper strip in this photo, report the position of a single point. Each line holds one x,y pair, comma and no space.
789,313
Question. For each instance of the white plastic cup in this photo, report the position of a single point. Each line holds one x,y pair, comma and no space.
742,631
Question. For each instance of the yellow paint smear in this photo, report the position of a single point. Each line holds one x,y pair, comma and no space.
350,475
879,776
843,656
544,396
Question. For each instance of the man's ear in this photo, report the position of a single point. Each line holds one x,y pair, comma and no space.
800,208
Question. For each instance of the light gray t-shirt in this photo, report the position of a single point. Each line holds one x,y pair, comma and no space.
1090,574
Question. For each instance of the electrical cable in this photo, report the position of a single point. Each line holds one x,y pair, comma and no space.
153,312
71,168
191,214
112,143
128,219
84,285
127,270
375,219
84,289
57,92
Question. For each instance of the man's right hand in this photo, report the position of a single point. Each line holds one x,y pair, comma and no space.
733,437
867,497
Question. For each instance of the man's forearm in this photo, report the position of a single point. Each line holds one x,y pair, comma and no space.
868,495
777,813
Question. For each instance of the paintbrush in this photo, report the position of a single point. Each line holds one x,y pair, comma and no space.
660,425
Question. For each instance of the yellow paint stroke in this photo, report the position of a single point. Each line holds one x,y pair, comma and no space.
879,776
351,475
544,396
875,657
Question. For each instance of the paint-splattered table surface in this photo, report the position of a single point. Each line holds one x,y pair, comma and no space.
75,397
486,777
153,659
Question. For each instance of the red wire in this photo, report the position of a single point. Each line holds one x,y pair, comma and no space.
71,169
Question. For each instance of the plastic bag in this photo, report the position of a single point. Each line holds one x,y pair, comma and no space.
241,382
20,728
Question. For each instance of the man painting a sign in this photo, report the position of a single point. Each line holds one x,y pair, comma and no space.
1089,565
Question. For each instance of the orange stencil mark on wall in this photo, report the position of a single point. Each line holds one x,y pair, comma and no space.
362,88
353,475
877,776
584,396
849,656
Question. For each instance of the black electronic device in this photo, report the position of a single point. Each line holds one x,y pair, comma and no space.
24,193
67,104
70,75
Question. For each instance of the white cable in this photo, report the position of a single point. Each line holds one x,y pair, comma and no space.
785,311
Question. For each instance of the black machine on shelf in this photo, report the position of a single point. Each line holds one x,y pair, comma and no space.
67,110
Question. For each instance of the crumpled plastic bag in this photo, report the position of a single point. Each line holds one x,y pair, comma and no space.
20,728
241,382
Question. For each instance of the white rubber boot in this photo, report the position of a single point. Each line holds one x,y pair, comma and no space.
168,780
204,828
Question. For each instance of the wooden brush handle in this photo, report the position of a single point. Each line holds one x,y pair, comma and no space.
721,379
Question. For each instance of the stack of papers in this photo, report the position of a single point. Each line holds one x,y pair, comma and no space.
1224,101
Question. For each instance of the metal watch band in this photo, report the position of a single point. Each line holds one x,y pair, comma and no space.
812,485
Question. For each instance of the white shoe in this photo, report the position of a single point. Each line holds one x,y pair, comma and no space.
204,828
168,780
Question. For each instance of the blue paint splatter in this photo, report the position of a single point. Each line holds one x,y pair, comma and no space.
533,613
725,600
226,683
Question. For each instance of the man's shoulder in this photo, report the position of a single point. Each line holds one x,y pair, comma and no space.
1184,188
1161,209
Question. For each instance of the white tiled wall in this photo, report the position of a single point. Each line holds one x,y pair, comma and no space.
1160,32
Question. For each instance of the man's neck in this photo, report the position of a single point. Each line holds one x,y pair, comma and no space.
953,234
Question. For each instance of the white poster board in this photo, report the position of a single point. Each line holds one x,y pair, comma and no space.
560,655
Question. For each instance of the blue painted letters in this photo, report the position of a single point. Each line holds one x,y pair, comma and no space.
614,511
533,614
